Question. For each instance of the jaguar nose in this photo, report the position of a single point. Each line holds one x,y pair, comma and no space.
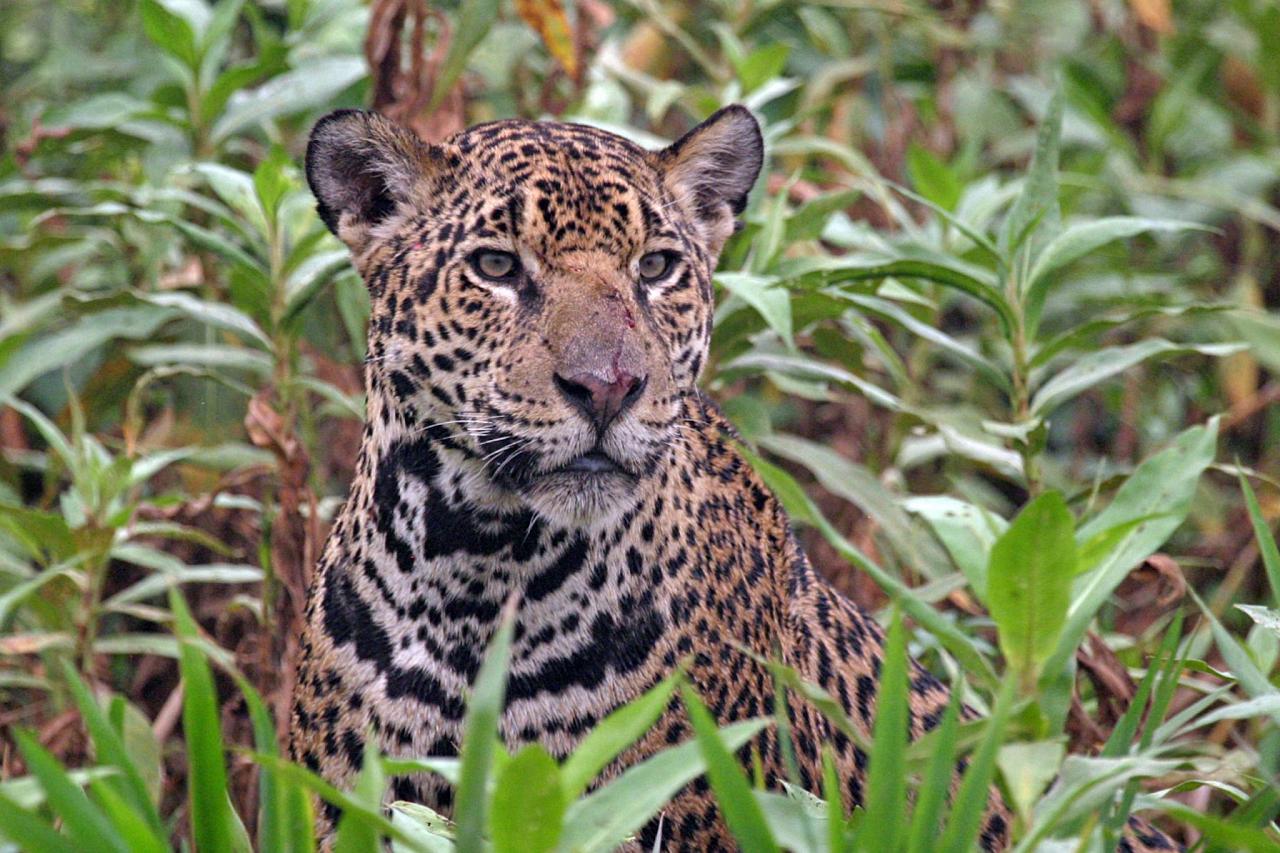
598,400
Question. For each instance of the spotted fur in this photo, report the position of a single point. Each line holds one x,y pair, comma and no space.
475,481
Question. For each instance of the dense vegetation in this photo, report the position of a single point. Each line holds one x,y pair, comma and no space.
1001,330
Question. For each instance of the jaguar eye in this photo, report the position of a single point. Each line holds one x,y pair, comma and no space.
654,265
495,265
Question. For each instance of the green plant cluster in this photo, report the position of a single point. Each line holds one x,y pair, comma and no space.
1000,327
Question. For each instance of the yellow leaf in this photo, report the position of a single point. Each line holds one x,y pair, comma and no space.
548,20
1154,14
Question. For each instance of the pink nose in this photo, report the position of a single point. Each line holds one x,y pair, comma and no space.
598,400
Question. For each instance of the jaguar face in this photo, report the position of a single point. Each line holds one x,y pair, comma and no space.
541,292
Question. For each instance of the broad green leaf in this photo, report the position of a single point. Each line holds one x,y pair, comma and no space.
932,178
429,831
886,791
741,812
479,743
217,314
1029,583
1028,768
762,64
762,293
1161,488
966,530
948,273
614,734
73,343
795,820
528,803
1080,240
306,86
172,26
604,818
236,189
859,486
1103,364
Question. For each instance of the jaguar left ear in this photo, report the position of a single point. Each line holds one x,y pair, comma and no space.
362,168
714,167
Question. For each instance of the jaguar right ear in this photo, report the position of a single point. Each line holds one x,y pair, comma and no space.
362,167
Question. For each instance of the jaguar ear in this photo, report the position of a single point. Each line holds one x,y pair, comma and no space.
714,167
361,167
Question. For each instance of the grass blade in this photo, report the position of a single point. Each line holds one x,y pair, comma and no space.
81,818
211,826
741,811
887,775
480,741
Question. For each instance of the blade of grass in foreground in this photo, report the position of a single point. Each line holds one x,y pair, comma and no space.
970,803
887,775
81,818
211,819
927,816
741,811
481,738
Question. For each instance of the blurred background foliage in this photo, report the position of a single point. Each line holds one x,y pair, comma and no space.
1002,250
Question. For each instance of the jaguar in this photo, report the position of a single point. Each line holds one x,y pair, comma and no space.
541,309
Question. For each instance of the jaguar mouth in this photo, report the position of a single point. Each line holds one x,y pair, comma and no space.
595,462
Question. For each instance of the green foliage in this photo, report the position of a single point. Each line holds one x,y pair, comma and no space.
974,331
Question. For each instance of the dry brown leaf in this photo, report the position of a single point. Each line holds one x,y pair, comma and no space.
548,20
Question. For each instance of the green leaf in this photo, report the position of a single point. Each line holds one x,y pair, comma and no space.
804,511
1080,240
862,488
216,314
310,84
741,812
764,295
479,743
926,817
355,834
528,803
81,818
966,530
1028,768
1161,489
1267,549
1029,583
1106,363
933,178
211,816
886,796
475,19
1036,207
36,836
945,272
970,803
172,26
271,180
605,818
40,355
612,735
110,750
762,64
